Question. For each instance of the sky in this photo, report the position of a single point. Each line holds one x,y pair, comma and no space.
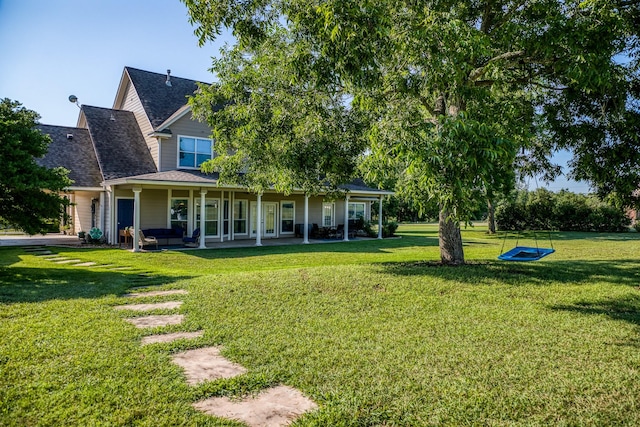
50,49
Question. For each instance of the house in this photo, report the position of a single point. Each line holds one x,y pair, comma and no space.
137,165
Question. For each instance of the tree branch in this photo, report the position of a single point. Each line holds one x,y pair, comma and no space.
478,72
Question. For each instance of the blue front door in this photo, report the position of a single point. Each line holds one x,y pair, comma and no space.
125,213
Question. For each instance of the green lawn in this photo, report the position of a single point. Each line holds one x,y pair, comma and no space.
373,331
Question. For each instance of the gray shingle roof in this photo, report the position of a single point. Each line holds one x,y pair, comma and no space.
120,147
75,154
159,100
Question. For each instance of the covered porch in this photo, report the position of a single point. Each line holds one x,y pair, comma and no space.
186,202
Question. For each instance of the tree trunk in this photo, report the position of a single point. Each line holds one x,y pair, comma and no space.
491,216
451,251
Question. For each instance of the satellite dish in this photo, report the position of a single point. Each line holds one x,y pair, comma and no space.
73,98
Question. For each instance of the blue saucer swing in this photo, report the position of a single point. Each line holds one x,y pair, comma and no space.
525,253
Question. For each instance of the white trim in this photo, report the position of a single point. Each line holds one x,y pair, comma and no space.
333,214
196,212
178,166
247,220
282,202
181,112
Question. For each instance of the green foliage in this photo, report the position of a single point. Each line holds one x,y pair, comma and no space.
453,91
274,130
564,211
388,228
29,198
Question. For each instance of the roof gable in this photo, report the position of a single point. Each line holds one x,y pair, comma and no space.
120,147
71,148
159,100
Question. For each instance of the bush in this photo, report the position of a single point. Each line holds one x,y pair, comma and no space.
388,229
565,211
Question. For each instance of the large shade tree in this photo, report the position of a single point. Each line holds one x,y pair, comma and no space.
454,90
273,130
29,193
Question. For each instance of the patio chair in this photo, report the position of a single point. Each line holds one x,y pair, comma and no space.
194,239
338,233
146,240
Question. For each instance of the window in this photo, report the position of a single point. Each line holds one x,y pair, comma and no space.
193,151
287,216
211,216
327,215
179,213
240,217
356,210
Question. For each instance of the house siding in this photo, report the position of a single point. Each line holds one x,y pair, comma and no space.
131,102
184,126
82,210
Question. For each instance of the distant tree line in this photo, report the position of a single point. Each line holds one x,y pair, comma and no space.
564,211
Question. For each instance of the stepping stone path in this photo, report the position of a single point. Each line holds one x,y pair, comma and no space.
206,364
169,305
154,321
156,293
86,264
273,407
164,338
68,261
277,406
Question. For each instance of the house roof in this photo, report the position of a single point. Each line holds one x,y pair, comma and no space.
159,100
195,177
120,147
75,154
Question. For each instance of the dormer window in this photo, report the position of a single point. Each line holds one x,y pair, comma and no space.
192,151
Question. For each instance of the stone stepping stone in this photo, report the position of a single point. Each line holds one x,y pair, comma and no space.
157,320
34,248
169,305
86,264
162,338
205,364
156,293
120,268
58,258
273,407
42,253
68,261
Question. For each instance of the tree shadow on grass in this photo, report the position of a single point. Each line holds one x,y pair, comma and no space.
625,308
21,284
621,272
355,246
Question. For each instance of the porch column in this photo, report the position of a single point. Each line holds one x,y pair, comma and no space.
221,216
203,193
306,220
232,201
380,218
259,221
346,219
136,218
101,215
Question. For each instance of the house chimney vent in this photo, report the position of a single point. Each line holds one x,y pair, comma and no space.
168,82
112,118
69,136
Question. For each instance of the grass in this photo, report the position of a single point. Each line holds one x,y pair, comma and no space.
373,331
